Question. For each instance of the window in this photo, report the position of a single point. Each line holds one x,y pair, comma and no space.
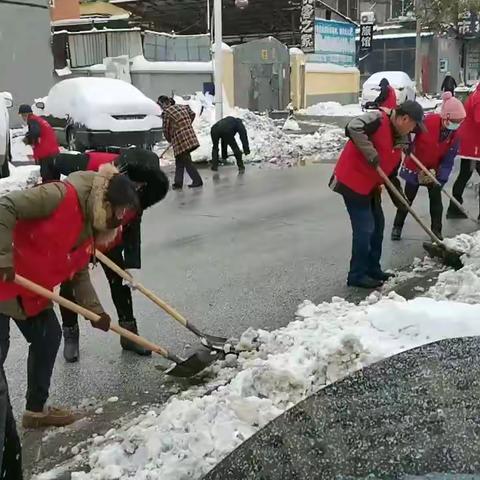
167,48
349,8
400,8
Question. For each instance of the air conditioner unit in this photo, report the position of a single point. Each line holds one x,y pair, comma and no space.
367,17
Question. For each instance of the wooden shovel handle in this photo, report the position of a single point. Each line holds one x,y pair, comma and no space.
405,203
148,293
93,317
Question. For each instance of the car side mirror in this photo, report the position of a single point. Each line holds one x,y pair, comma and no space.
40,105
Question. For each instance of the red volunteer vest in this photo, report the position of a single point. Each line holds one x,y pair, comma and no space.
391,101
97,159
47,144
352,168
44,252
427,147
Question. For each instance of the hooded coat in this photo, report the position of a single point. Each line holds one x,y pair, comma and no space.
48,233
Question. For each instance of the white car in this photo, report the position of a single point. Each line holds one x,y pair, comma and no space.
89,113
404,87
6,102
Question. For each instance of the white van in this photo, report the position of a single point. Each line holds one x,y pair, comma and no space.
6,102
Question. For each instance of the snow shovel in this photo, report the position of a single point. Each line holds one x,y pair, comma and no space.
450,196
181,368
165,151
436,248
210,341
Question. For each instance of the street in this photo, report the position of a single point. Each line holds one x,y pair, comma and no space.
244,251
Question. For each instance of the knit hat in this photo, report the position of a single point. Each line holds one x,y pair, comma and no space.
452,107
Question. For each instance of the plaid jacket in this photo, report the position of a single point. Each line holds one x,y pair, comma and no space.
178,130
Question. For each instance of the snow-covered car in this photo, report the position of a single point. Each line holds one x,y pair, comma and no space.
89,113
404,87
6,102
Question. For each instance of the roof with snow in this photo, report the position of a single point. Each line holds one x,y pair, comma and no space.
279,18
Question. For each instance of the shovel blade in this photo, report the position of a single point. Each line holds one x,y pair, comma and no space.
449,257
194,364
213,342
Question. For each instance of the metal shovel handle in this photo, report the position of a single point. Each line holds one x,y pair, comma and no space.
148,293
93,317
405,203
449,195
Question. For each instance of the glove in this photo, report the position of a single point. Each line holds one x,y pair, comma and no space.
424,179
103,323
374,162
7,274
246,151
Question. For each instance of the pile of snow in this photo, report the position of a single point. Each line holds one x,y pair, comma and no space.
94,101
21,153
332,109
292,125
462,285
20,178
327,142
194,431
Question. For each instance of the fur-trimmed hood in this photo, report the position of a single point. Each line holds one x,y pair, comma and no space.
91,188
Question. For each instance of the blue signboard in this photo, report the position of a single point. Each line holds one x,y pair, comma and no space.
335,42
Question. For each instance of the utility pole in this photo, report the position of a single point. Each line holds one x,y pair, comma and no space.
418,48
217,15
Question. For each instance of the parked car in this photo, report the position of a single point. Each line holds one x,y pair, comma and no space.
404,87
89,113
6,102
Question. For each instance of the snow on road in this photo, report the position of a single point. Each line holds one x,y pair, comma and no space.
195,430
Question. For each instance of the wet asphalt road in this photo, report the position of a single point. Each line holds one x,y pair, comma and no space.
244,251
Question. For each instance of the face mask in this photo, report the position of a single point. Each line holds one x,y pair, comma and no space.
453,126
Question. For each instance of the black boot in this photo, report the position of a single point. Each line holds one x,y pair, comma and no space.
396,233
454,212
131,326
71,337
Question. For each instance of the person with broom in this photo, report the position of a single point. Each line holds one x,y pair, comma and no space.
469,152
142,167
47,235
436,149
376,139
178,130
